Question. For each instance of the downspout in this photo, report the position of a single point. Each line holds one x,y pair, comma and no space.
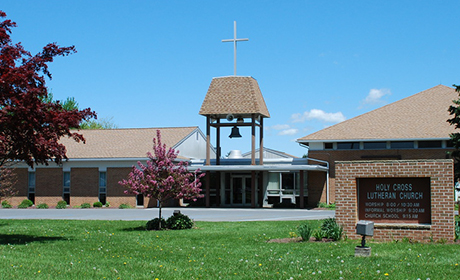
327,172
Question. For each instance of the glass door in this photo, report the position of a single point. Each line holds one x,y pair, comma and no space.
240,191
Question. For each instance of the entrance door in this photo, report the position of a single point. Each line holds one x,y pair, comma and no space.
240,193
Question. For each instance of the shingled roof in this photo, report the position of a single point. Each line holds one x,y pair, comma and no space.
123,143
235,95
420,116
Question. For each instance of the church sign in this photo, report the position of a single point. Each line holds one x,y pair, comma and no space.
394,200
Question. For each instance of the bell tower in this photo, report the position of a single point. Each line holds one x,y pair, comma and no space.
238,102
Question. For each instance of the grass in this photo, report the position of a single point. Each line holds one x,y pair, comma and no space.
50,249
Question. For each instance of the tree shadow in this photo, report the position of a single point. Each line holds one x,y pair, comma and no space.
21,239
139,228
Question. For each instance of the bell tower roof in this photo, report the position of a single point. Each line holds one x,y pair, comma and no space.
236,95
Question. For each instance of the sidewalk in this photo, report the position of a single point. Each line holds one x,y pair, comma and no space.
197,214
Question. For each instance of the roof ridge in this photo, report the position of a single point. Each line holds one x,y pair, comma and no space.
375,111
138,128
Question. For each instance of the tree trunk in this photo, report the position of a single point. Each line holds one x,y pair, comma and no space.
159,218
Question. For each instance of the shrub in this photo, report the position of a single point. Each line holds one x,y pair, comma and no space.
179,221
331,229
85,205
457,230
97,204
124,206
61,205
42,206
327,206
155,224
107,204
25,203
6,204
319,234
305,231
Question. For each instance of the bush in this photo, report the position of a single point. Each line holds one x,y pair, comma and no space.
107,204
179,221
155,224
97,204
85,205
305,231
61,205
331,229
42,206
6,204
457,230
25,203
124,206
327,206
319,234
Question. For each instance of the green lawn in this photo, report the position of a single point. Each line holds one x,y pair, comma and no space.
51,249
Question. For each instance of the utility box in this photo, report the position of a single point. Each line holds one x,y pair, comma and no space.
365,228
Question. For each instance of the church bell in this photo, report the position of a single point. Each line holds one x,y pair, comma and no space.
235,133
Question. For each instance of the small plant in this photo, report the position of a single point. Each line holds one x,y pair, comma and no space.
26,203
305,231
331,229
97,204
124,206
107,204
330,206
61,205
319,234
155,224
179,221
42,206
292,234
85,205
6,204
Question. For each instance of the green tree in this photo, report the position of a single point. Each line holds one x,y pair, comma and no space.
454,110
71,104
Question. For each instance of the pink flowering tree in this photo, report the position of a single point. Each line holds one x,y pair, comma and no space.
162,178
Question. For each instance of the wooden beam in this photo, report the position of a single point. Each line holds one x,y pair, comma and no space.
253,140
208,140
261,141
218,143
233,124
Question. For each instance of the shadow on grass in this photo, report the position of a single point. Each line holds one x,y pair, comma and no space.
21,239
139,228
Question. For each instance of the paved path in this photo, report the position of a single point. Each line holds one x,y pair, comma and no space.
198,214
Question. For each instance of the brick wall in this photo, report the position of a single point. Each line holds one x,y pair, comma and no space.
442,200
48,186
22,177
115,192
331,156
84,186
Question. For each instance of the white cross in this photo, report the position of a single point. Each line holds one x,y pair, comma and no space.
234,40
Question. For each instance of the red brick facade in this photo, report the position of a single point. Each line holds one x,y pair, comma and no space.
84,186
442,200
317,180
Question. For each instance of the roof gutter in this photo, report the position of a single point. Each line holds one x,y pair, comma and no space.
258,168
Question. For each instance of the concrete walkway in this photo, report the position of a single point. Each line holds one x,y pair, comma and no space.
198,214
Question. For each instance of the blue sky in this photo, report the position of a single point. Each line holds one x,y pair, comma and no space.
150,63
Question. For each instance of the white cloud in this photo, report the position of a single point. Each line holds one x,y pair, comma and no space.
320,115
280,126
290,131
285,129
375,96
